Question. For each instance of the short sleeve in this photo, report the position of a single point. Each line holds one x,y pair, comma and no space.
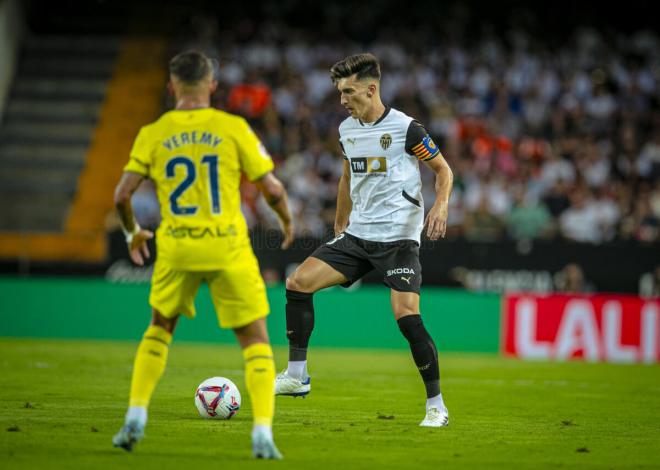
343,151
140,156
419,143
255,159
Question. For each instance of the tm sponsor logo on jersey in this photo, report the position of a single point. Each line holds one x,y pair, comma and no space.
392,272
369,166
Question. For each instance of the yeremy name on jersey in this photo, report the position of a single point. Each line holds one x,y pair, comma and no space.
193,137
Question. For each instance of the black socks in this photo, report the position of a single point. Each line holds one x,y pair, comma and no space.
423,351
299,323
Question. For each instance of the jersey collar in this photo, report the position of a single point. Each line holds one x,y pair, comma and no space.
383,116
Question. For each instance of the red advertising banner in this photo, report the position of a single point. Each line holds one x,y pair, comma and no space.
608,328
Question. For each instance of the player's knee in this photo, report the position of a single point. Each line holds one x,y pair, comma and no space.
291,283
403,309
252,333
404,304
168,324
412,327
298,283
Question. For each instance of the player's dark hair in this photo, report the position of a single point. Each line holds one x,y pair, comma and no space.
190,66
362,65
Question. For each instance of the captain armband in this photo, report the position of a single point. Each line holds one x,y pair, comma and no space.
426,150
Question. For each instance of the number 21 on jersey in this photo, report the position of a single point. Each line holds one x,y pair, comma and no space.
189,180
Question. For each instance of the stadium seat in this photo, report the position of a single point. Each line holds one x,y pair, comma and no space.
48,125
65,134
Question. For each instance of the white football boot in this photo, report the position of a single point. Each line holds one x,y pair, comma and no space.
129,435
435,418
290,386
263,446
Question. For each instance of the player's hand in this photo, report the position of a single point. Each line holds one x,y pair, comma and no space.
138,249
436,221
287,228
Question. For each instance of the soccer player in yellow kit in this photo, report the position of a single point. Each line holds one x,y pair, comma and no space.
195,155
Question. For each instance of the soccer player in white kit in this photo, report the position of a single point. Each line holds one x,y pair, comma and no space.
379,221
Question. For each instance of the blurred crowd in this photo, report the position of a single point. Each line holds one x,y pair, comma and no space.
544,141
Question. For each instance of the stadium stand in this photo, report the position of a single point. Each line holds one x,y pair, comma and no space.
50,118
540,147
552,133
70,121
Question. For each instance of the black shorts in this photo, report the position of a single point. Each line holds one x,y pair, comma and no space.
398,262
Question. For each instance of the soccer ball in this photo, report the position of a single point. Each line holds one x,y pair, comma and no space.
217,398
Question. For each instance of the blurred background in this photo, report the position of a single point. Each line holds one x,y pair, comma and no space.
548,115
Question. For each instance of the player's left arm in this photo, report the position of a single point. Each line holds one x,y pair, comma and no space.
257,165
276,197
436,219
136,237
420,144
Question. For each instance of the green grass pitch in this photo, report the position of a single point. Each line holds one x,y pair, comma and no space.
61,402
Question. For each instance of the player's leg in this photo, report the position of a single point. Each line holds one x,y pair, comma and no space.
150,361
239,296
402,272
405,306
259,380
340,261
148,368
311,276
172,293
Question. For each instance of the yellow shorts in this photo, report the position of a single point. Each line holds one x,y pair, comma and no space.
238,292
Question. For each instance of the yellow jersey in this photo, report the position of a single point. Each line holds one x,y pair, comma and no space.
196,158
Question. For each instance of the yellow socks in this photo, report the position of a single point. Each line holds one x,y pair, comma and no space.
149,365
260,381
151,359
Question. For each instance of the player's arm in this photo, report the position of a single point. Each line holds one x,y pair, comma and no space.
276,197
344,204
136,237
257,166
436,219
420,144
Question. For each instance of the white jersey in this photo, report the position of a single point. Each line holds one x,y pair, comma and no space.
386,188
